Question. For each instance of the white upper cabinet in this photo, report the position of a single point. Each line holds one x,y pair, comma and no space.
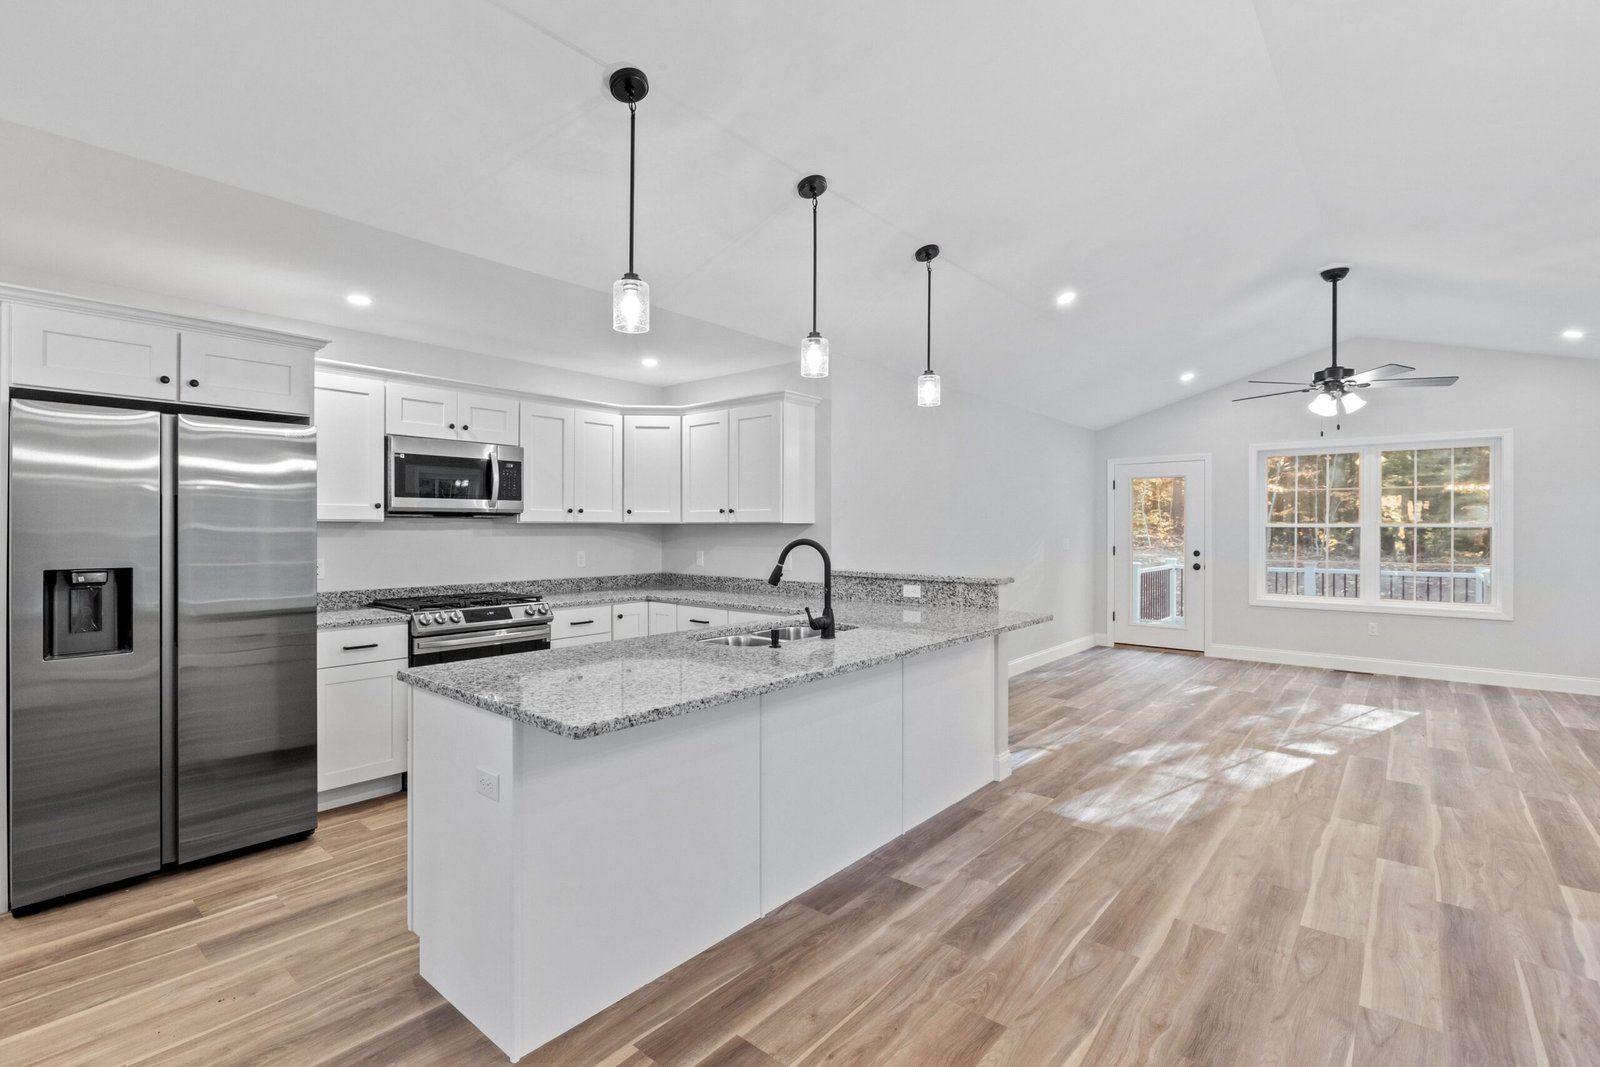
56,349
705,466
597,465
83,346
547,463
487,418
420,410
349,421
651,468
220,370
772,458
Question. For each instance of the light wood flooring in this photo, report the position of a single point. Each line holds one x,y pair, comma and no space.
1196,862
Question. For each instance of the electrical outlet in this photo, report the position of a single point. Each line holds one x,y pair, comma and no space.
699,559
583,559
1372,629
488,784
1066,544
322,570
911,591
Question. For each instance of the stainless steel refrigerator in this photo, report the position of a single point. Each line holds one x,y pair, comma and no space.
162,640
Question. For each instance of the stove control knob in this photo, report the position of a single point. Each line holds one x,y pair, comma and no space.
529,611
455,616
439,616
423,620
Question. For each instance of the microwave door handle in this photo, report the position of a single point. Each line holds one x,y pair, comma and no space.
494,478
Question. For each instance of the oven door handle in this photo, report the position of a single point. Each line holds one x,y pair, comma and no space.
490,637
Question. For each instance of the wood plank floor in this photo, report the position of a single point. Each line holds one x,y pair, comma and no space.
1196,862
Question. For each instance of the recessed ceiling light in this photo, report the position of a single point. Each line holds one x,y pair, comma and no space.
1572,335
1186,376
650,361
360,300
1067,298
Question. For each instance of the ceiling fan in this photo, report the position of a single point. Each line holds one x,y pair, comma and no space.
1339,388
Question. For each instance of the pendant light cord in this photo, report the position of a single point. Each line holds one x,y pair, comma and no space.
1334,329
633,122
930,318
814,264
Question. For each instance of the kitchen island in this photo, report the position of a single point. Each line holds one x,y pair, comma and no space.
583,820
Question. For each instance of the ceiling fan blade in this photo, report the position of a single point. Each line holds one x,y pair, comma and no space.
1267,381
1263,396
1388,370
1388,382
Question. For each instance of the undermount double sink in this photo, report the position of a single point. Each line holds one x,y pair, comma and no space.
763,638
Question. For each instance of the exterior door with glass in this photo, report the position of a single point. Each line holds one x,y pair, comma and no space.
1158,560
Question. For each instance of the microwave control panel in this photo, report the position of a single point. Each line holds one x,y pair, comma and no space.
510,479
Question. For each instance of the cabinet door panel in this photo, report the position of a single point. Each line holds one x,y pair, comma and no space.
755,458
420,410
597,456
55,349
663,618
487,418
629,620
547,463
582,639
349,420
361,724
705,466
237,372
652,468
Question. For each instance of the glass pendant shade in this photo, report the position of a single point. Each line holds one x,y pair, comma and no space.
1324,404
630,305
928,390
814,356
1351,403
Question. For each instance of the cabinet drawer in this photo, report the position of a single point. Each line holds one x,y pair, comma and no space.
581,639
360,644
700,618
581,622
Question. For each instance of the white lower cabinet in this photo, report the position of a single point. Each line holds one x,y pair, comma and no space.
663,618
582,639
692,618
737,617
585,621
361,724
630,620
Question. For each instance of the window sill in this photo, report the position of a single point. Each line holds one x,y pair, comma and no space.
1488,613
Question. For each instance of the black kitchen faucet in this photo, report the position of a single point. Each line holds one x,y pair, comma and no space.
825,622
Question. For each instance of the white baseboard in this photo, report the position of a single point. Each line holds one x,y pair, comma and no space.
1034,660
354,794
1002,766
1444,672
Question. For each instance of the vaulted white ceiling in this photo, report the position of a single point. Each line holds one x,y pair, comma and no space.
1185,167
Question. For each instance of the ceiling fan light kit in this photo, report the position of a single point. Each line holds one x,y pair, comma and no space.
814,347
630,295
927,381
1337,388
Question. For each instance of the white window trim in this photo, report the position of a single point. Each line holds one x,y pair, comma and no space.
1501,553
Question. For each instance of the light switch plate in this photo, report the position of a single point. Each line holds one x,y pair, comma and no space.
699,559
488,784
583,559
322,571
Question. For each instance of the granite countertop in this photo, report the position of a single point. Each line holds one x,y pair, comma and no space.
599,688
777,604
341,620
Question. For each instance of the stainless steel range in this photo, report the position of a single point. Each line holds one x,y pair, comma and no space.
458,626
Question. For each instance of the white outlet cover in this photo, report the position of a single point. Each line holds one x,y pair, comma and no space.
699,559
488,784
322,569
583,558
911,591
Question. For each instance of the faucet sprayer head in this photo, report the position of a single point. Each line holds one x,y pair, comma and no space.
776,576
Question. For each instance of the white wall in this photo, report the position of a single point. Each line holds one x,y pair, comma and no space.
1549,405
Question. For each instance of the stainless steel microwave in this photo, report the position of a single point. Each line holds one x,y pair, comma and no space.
429,477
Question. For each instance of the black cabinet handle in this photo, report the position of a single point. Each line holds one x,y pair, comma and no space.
378,506
730,511
630,511
619,616
702,622
452,425
464,426
722,511
1197,566
357,648
569,511
1197,552
582,622
166,379
194,383
580,511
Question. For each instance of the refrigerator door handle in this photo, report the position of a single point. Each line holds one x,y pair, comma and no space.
169,639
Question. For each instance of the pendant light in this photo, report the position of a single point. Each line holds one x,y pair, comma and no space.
630,296
814,349
927,381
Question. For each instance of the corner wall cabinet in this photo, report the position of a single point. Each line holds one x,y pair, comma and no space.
751,463
84,346
349,419
651,468
449,414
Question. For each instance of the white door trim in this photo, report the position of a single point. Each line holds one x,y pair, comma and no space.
1204,459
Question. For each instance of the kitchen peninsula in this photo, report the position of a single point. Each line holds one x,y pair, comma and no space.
585,819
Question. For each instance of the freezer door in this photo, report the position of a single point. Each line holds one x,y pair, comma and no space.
247,642
85,645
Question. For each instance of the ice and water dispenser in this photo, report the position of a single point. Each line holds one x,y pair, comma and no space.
88,612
